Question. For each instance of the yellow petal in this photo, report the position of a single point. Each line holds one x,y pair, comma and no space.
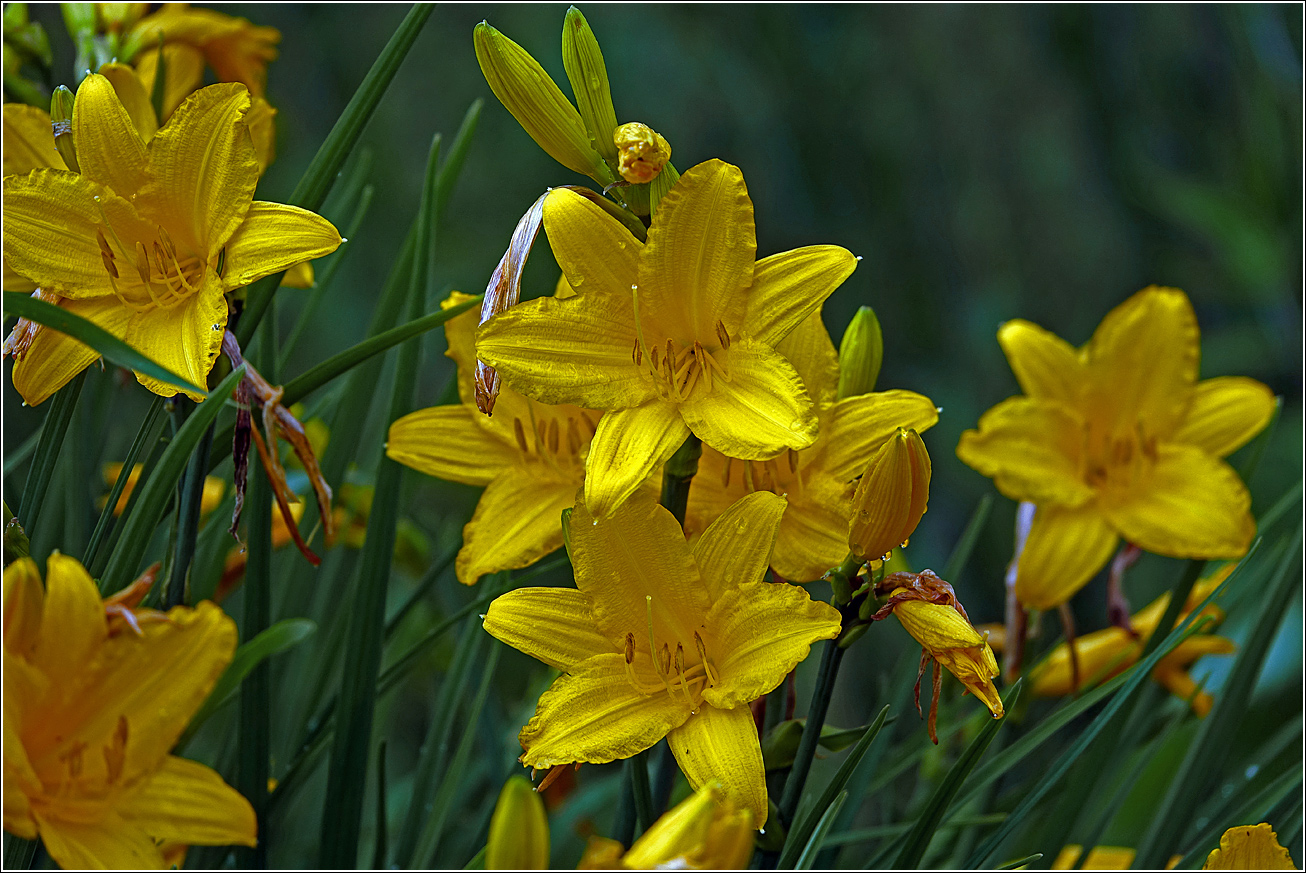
788,287
636,564
1046,366
712,490
1226,413
1065,548
594,715
588,76
814,531
527,91
186,802
518,521
185,338
936,626
858,426
576,350
1249,847
891,497
814,359
184,72
703,832
1100,655
203,169
1142,363
593,249
722,744
627,447
519,829
54,358
1101,858
73,625
109,149
24,603
736,548
135,99
699,257
1031,449
110,843
274,237
446,442
553,625
762,630
1190,506
29,141
51,220
762,410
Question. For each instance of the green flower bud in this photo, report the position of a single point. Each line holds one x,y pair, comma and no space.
519,829
589,82
861,352
61,120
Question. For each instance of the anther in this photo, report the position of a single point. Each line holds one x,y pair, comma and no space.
723,335
630,648
725,472
573,437
520,433
553,435
792,456
702,654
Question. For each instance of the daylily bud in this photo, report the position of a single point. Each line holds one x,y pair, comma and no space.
61,121
589,82
890,497
704,832
120,16
642,152
79,18
537,103
519,829
860,353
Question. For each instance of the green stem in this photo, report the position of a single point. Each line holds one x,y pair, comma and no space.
639,789
677,474
830,660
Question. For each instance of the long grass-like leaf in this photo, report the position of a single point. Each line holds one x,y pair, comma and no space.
143,437
916,842
53,430
813,846
90,334
154,495
1248,807
969,537
16,457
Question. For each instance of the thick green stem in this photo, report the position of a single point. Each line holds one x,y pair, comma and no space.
677,475
830,660
639,789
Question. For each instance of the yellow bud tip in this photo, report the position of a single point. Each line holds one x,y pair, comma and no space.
642,152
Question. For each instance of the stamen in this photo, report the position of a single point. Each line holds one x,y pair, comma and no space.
520,433
553,774
553,435
748,477
792,457
653,359
702,654
723,335
715,365
115,754
639,323
652,647
680,671
636,355
573,437
725,472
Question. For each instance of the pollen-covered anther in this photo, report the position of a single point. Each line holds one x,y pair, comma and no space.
520,433
115,754
702,655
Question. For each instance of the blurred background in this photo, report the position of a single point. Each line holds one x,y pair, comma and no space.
988,163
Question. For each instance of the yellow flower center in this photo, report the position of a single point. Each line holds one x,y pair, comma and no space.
1118,460
681,672
556,437
151,273
780,475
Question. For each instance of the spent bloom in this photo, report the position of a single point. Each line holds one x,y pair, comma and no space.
1118,439
147,238
661,639
95,697
819,481
705,831
670,337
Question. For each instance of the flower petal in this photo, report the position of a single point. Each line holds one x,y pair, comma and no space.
809,349
186,802
790,286
183,73
24,604
517,522
762,410
1031,449
814,531
1191,506
712,490
446,442
1142,364
54,358
274,237
135,99
857,427
636,567
758,632
109,149
699,255
553,625
1065,548
722,744
576,350
1225,414
110,843
594,715
73,623
593,249
29,140
737,547
1046,366
53,221
203,169
628,446
185,338
1249,847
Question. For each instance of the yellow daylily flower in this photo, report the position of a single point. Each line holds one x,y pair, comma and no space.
1118,439
705,831
818,481
1249,847
529,457
91,711
1110,651
214,487
236,49
1102,858
669,337
134,241
891,497
663,640
519,829
928,609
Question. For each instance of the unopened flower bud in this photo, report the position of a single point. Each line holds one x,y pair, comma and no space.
890,497
61,121
860,353
539,106
642,152
588,75
704,832
519,829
